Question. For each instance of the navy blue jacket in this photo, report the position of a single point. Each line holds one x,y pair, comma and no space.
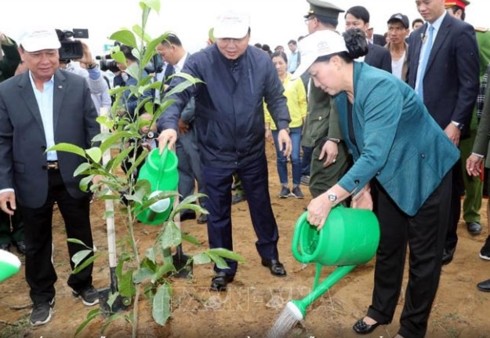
229,116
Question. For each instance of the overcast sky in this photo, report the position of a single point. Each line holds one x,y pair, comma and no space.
273,21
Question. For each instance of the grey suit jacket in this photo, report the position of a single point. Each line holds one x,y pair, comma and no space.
22,138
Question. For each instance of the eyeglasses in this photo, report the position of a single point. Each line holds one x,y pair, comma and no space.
311,17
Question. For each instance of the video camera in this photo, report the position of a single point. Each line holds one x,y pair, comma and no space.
107,63
71,49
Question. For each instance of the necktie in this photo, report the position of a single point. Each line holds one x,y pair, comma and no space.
425,59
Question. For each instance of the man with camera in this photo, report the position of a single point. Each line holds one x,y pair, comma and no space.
75,50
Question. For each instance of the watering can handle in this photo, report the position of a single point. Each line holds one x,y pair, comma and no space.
300,223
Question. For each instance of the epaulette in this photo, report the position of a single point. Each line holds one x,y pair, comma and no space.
481,29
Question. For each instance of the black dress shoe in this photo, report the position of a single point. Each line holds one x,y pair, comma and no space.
21,247
276,267
5,246
362,328
474,228
447,256
484,286
220,281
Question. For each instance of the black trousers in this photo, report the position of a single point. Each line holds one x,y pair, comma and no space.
40,273
255,181
455,209
424,234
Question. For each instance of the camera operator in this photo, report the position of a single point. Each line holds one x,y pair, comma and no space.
88,68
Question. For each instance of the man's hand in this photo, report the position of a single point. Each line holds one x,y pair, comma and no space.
86,59
284,142
474,165
7,202
329,152
167,137
453,133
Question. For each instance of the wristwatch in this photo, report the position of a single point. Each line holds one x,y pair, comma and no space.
458,125
332,198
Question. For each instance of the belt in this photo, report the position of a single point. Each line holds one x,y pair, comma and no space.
52,165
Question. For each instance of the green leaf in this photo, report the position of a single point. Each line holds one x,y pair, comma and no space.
95,154
201,258
114,139
82,168
190,239
126,285
126,37
154,5
171,236
220,262
85,263
161,305
142,275
227,254
163,270
84,182
91,315
77,241
69,148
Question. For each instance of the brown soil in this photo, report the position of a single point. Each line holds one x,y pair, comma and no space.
255,298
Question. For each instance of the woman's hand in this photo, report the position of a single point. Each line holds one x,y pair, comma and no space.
318,210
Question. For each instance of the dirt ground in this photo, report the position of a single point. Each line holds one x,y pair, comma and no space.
255,298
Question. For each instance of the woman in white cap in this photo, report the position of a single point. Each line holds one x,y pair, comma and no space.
401,170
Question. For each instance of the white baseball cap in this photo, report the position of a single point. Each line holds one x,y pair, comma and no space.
319,43
232,25
40,39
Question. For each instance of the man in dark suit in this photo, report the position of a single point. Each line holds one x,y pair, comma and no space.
40,108
377,56
443,67
376,39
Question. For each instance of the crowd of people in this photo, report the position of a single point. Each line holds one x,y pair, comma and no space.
398,124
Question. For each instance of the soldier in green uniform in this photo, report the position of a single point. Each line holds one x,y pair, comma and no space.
473,185
321,129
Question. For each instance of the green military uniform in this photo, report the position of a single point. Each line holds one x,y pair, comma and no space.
473,185
322,121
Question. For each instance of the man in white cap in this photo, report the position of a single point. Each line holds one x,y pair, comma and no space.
230,128
38,109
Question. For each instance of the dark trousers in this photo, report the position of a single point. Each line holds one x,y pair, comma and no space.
424,234
189,166
40,273
306,160
255,181
11,228
455,209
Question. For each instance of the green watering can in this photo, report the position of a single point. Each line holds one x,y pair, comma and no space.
161,171
9,265
349,237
